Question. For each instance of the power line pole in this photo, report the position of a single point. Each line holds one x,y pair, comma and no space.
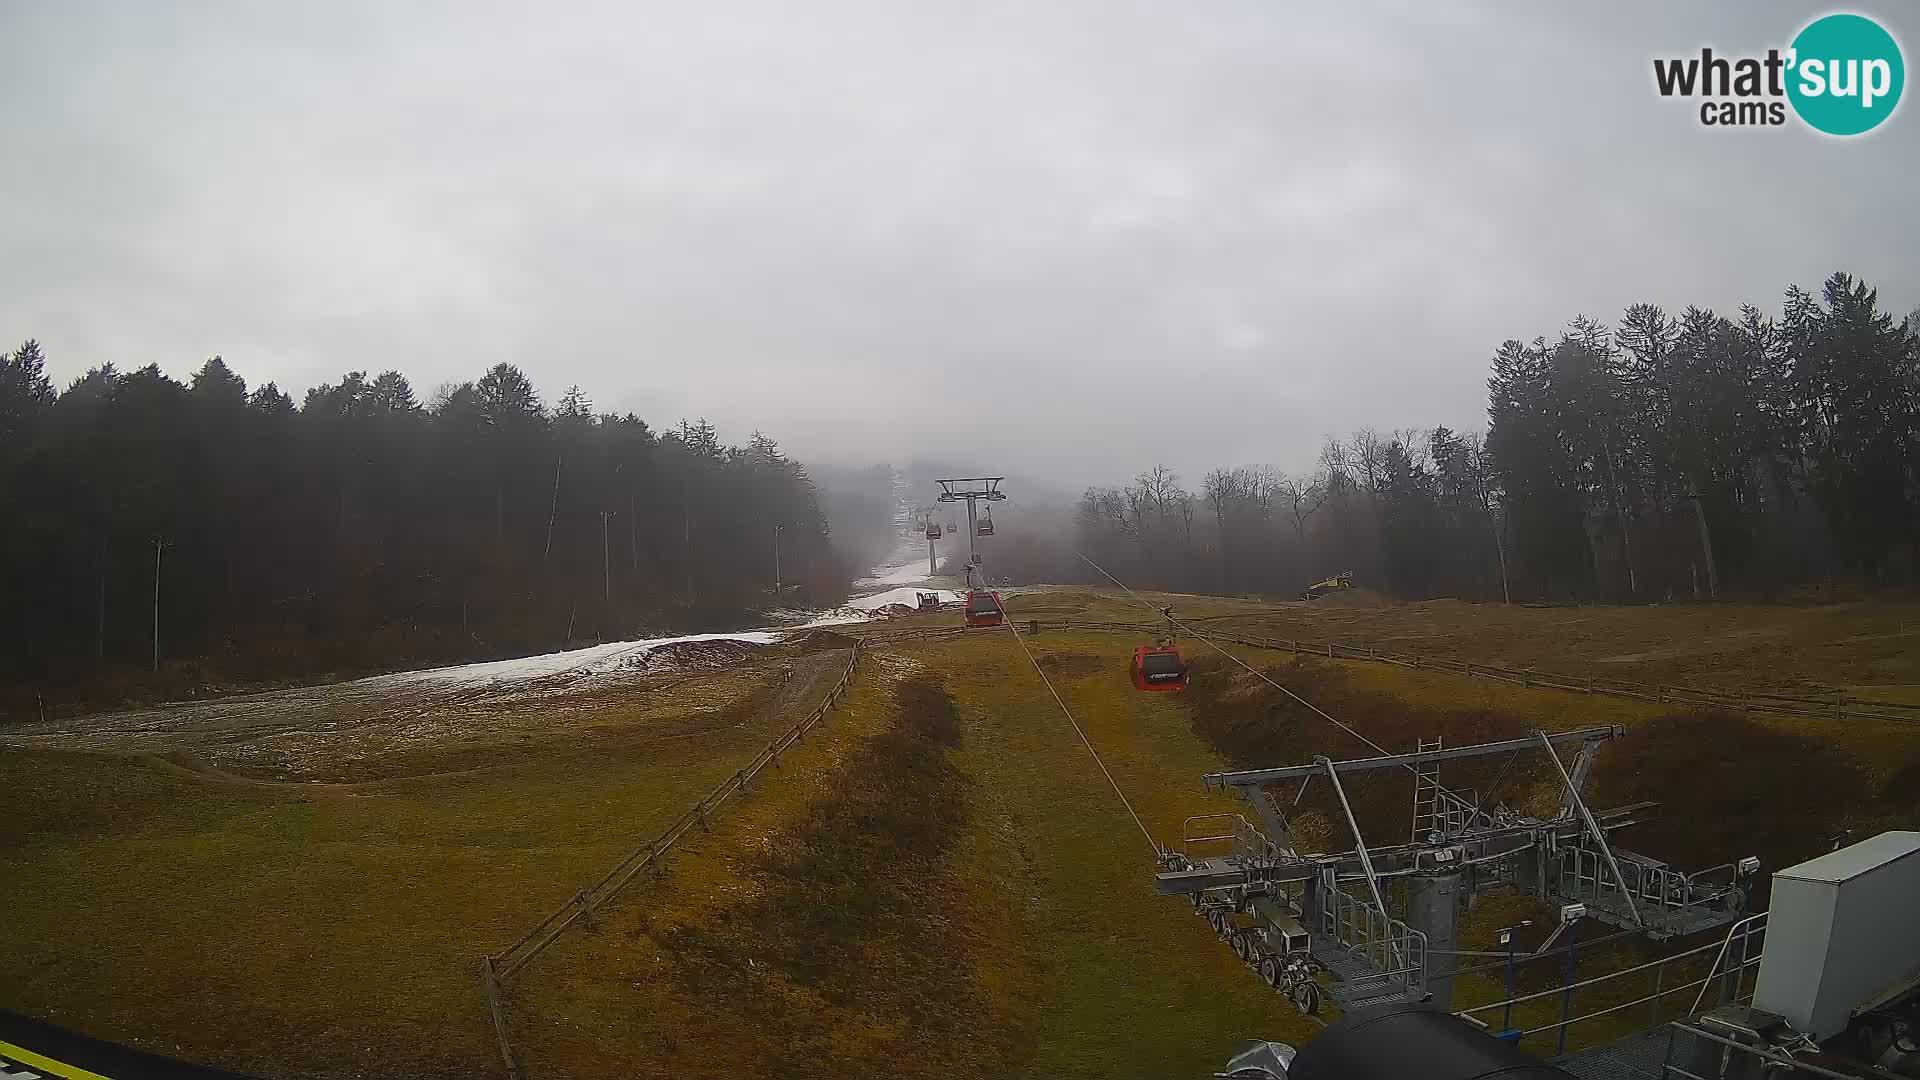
606,566
553,509
157,545
776,559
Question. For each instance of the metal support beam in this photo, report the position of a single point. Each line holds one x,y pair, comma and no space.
1257,777
1593,829
1359,841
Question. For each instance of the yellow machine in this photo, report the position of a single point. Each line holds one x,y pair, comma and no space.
1318,589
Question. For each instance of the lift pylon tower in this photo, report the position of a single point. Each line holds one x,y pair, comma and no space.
921,516
972,490
1294,917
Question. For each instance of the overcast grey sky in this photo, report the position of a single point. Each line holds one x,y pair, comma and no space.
1074,237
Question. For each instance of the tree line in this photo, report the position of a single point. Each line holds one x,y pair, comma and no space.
1664,457
146,522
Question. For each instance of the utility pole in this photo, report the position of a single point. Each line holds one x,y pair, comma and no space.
776,558
100,611
553,509
157,545
1706,546
606,567
972,490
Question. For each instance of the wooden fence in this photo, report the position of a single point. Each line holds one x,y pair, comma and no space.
586,904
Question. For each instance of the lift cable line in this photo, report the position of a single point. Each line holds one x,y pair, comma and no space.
1317,710
1078,730
1256,672
1299,921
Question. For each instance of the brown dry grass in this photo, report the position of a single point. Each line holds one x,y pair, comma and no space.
1866,644
998,908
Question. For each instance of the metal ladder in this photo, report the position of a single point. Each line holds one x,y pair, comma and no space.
1427,816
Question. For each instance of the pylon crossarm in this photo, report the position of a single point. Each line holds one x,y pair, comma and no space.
1257,777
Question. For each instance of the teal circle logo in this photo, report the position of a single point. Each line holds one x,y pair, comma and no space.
1845,75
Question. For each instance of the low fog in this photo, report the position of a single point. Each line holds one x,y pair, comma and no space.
1067,240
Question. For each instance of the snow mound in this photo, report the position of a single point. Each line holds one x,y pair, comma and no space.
908,596
613,658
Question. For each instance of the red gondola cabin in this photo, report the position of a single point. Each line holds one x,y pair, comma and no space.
933,530
983,608
1158,668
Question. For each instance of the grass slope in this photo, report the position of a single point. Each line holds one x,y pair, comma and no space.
1133,984
832,924
289,929
940,882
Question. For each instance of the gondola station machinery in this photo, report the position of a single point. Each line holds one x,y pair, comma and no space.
1836,995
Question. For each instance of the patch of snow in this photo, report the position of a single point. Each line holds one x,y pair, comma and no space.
906,566
909,596
904,573
611,658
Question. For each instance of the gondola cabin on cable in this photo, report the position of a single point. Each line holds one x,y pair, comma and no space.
986,522
983,608
1159,668
933,530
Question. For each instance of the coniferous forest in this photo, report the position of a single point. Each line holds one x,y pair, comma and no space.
363,528
1668,456
1697,455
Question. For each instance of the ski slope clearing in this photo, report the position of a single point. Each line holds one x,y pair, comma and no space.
611,661
909,596
287,730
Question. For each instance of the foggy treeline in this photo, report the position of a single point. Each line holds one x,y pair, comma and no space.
1667,456
364,527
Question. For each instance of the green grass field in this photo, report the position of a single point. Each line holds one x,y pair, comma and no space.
287,928
939,882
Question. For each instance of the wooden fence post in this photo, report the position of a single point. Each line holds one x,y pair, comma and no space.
498,1014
